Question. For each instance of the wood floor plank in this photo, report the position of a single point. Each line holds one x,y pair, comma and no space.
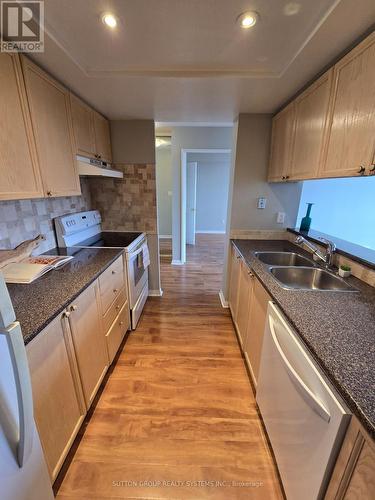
178,409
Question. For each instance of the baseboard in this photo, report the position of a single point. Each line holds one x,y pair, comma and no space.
209,232
176,262
165,236
155,293
224,303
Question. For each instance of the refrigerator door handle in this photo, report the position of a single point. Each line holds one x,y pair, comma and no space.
300,385
24,391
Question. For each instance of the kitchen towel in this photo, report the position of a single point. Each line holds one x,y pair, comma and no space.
145,255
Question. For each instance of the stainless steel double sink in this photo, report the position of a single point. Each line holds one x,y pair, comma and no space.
297,272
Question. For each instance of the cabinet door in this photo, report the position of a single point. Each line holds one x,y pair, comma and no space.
244,298
89,342
83,127
51,120
351,142
281,144
255,328
310,128
102,137
58,407
19,172
234,282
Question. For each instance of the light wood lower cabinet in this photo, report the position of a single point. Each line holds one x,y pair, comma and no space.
58,404
248,301
255,328
246,279
234,282
353,477
52,126
88,339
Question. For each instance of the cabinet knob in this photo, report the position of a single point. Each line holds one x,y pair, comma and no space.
117,307
49,193
115,290
66,314
113,272
372,170
250,274
73,307
361,170
121,323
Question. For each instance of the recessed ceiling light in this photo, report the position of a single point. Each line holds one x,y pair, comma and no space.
248,19
109,20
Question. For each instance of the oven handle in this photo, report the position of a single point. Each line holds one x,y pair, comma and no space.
300,385
134,254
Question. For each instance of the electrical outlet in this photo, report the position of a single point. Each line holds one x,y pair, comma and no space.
262,202
280,217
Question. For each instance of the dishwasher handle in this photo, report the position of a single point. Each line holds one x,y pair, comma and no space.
300,385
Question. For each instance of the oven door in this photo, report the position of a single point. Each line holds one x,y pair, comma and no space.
137,275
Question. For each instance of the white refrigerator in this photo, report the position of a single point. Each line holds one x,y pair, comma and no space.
23,471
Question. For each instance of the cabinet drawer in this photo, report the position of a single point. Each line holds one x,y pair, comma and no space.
117,332
113,311
111,282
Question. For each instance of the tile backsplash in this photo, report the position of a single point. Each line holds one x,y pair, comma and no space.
127,204
21,220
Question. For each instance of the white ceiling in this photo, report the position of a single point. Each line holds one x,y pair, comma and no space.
188,60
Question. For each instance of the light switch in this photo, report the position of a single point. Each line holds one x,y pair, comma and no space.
280,217
262,202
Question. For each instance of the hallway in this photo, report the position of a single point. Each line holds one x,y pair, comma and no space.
178,410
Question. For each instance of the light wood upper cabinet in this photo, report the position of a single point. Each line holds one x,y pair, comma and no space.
58,406
310,127
89,342
19,172
283,125
51,120
351,141
244,300
102,137
255,328
83,127
234,282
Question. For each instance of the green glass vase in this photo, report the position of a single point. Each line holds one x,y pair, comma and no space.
306,221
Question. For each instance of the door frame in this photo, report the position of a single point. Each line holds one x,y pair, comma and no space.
189,165
184,153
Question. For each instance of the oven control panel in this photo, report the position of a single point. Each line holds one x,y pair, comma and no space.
72,223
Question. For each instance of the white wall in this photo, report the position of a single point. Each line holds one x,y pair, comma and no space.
342,207
191,138
252,135
213,174
164,188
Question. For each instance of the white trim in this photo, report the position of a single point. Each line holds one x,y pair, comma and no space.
165,236
224,303
155,293
194,124
176,262
210,232
184,153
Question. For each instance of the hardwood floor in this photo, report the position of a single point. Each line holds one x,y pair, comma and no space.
177,418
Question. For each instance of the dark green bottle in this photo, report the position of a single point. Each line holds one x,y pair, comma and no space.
306,221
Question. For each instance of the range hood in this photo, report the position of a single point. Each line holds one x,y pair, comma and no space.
90,167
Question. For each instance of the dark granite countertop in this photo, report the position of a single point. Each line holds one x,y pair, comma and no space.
337,328
38,303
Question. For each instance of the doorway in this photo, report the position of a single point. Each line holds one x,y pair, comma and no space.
204,194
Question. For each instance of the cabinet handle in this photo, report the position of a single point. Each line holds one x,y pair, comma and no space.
73,307
361,170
